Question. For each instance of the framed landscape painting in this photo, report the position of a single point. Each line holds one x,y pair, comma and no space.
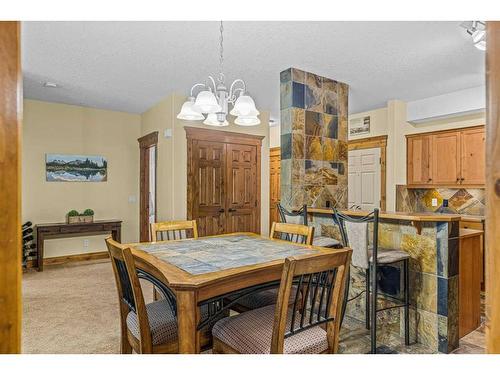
76,168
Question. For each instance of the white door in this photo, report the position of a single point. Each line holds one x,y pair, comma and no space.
364,179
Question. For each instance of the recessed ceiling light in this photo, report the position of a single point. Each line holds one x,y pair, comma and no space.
50,85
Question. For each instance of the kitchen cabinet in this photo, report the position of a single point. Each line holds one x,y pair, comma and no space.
419,160
473,156
446,158
469,282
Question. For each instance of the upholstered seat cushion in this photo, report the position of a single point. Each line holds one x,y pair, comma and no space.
324,241
162,322
387,256
264,298
251,332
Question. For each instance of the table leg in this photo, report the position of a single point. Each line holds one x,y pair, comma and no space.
188,316
39,249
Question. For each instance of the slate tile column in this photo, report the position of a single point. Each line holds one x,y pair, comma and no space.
313,140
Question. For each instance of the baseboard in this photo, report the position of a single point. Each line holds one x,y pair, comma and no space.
70,259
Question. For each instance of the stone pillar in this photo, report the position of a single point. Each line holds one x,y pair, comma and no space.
313,140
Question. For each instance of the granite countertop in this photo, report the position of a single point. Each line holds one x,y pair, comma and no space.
414,216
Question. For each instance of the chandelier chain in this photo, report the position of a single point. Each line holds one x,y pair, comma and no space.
221,57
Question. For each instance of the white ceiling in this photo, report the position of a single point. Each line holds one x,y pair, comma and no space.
129,66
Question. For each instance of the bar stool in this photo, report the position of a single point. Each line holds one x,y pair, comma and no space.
354,232
300,217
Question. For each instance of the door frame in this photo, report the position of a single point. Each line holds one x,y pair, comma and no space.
146,142
493,187
375,142
11,109
194,133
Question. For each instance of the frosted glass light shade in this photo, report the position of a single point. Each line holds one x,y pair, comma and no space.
188,113
247,120
206,102
244,106
212,120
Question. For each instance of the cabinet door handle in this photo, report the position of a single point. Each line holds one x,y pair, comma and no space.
222,210
232,210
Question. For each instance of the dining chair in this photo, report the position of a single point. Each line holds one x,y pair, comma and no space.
355,234
145,328
174,230
290,328
296,233
300,217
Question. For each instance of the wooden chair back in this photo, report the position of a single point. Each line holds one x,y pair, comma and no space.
130,295
292,232
174,230
320,279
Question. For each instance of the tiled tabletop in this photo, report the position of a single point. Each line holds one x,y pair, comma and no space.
219,253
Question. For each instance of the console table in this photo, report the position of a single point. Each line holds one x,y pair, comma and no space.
58,230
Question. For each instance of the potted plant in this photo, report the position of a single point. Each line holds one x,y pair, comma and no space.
86,217
73,217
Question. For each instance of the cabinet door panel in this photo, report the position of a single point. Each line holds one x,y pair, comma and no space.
419,160
473,156
445,158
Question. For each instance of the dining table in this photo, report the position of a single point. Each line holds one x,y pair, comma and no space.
213,271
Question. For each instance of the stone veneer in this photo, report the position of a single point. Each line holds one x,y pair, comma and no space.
433,282
313,140
463,201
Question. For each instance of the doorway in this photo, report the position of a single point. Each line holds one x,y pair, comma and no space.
274,184
147,196
364,179
223,183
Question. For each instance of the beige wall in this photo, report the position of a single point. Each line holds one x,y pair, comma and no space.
275,136
67,129
391,121
172,157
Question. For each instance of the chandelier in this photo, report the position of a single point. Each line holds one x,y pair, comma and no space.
213,100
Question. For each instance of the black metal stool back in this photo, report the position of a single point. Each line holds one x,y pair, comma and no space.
293,217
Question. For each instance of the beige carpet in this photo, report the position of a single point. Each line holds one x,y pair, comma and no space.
71,309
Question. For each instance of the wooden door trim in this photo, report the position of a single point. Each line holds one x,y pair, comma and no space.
201,134
148,140
493,188
10,188
375,142
145,142
223,136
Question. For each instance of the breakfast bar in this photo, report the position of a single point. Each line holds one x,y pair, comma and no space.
432,241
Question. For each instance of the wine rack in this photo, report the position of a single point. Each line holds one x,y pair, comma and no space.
29,250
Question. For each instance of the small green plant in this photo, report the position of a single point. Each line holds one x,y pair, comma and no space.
73,213
88,212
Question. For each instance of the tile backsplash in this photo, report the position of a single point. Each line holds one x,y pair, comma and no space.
462,201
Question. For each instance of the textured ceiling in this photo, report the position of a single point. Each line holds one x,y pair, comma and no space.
129,66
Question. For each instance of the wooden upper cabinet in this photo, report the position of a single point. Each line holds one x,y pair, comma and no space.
419,160
445,158
473,156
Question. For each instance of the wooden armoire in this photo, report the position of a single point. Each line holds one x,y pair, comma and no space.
223,181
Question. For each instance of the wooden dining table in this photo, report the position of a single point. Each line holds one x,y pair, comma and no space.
213,271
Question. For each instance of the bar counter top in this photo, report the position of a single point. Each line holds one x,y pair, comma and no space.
393,215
